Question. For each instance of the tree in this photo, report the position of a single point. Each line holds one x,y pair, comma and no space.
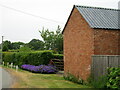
52,40
16,45
24,49
58,40
5,48
36,44
7,45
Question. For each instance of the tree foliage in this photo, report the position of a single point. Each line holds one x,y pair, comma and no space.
25,49
52,40
16,45
6,45
5,48
36,44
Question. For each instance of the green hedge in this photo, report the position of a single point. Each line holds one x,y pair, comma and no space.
58,56
32,58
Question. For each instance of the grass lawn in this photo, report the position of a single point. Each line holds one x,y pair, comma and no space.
25,79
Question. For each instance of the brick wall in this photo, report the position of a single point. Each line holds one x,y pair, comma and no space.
78,46
106,42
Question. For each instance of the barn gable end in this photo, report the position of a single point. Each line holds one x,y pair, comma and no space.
84,37
78,45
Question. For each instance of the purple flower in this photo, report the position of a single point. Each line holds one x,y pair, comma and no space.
40,68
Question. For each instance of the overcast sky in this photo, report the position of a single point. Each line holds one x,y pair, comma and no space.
21,20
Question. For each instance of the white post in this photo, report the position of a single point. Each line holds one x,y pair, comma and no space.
3,63
16,68
11,65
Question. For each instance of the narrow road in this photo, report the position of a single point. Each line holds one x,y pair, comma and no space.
0,78
5,79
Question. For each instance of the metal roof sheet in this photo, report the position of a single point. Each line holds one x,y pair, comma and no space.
100,17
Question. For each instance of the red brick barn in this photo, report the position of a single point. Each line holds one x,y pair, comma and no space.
89,31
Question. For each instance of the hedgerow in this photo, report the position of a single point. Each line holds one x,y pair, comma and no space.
32,58
58,56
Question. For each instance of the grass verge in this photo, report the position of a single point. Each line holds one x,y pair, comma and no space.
25,79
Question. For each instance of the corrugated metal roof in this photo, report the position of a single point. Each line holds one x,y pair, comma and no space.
100,17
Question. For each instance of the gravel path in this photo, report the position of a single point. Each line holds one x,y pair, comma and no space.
5,79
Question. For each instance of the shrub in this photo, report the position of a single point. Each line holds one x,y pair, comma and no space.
8,57
113,78
40,69
72,78
33,58
5,48
25,49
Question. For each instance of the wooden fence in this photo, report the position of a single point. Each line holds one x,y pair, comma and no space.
100,63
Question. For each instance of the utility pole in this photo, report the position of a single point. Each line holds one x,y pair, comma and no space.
1,50
2,42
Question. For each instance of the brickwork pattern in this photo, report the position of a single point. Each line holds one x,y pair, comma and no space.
78,46
106,42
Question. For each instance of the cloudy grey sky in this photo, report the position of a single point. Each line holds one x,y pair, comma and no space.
21,20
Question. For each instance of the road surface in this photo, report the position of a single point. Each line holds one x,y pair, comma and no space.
5,79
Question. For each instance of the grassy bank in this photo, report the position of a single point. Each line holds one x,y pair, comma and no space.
25,79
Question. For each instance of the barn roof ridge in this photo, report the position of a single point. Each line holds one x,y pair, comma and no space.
96,7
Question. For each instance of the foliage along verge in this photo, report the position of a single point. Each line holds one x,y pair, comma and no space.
110,80
32,58
113,78
72,78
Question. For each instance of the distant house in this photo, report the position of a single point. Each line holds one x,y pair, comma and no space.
89,31
21,46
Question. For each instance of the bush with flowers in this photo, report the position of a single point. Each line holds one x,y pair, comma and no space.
40,69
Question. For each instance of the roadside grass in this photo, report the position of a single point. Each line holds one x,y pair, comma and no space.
26,79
